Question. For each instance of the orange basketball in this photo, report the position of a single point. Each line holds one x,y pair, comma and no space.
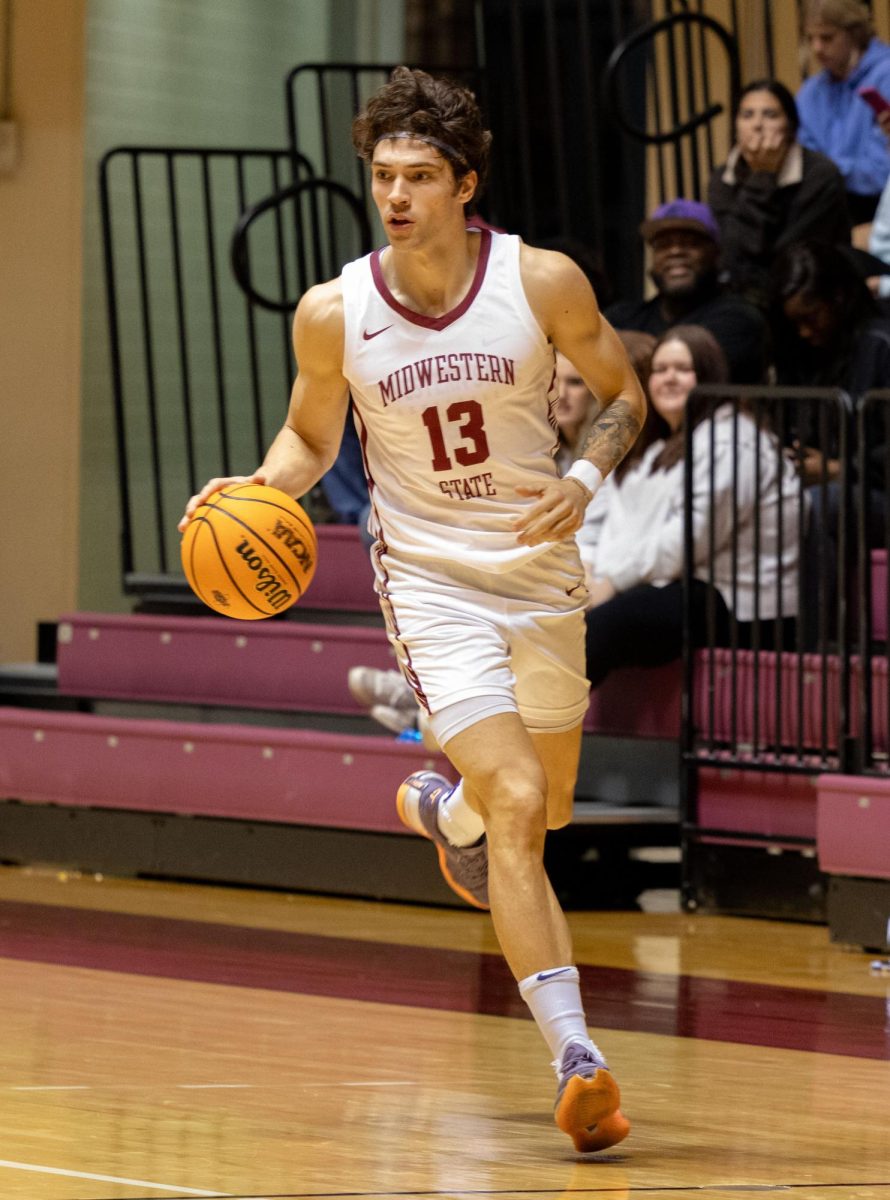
250,552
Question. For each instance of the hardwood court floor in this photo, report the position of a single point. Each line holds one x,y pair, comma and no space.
161,1040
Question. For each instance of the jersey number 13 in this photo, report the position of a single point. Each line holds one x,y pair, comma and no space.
467,414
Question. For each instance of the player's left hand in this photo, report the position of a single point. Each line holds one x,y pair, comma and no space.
556,517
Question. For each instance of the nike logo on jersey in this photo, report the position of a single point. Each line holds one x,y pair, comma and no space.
377,332
542,975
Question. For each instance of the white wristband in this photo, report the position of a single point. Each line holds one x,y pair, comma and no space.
586,474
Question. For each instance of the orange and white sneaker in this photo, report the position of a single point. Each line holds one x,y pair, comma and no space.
587,1100
465,868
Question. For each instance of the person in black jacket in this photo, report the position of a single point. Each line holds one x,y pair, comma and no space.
684,245
828,333
771,191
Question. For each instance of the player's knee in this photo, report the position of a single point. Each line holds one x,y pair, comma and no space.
516,803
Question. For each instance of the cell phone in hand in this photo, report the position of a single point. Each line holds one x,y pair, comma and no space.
873,97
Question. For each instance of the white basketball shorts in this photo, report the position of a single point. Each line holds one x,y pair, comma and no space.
477,642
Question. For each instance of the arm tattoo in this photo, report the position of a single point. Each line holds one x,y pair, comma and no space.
613,433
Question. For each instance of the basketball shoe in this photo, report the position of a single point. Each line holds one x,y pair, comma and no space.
465,868
587,1100
371,687
396,720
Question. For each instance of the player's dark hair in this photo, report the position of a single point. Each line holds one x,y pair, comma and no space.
438,109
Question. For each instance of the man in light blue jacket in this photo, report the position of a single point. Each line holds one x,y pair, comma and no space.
834,118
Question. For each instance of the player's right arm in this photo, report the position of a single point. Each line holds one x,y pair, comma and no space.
308,442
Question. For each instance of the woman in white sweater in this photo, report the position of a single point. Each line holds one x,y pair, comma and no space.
635,572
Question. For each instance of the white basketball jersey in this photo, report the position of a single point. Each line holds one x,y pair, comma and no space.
452,412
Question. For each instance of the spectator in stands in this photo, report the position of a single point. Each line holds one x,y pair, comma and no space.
684,240
828,333
639,347
636,591
587,258
772,191
834,119
573,412
879,238
345,487
826,326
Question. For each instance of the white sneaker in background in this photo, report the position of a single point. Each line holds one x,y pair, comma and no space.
396,720
370,686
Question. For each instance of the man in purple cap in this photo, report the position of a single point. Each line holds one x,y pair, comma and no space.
684,244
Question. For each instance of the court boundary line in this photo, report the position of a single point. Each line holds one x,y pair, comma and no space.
176,1190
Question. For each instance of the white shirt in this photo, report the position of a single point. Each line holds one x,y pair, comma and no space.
641,540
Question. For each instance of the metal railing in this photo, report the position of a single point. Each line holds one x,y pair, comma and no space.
200,373
767,687
871,677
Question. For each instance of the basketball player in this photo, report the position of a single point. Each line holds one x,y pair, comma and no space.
445,339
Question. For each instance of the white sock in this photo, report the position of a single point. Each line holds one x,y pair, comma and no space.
554,997
461,825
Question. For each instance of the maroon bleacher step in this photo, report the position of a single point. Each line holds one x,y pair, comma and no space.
344,578
237,771
215,660
853,825
772,804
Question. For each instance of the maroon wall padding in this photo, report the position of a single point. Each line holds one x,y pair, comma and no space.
215,660
244,772
771,804
853,826
637,702
344,579
879,595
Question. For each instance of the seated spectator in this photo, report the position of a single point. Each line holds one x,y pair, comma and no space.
879,237
828,333
639,347
345,487
826,326
585,257
573,411
771,191
636,590
684,240
834,119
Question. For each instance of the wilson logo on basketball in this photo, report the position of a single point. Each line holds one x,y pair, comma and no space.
294,543
268,583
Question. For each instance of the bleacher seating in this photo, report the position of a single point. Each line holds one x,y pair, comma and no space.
174,720
285,665
295,776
